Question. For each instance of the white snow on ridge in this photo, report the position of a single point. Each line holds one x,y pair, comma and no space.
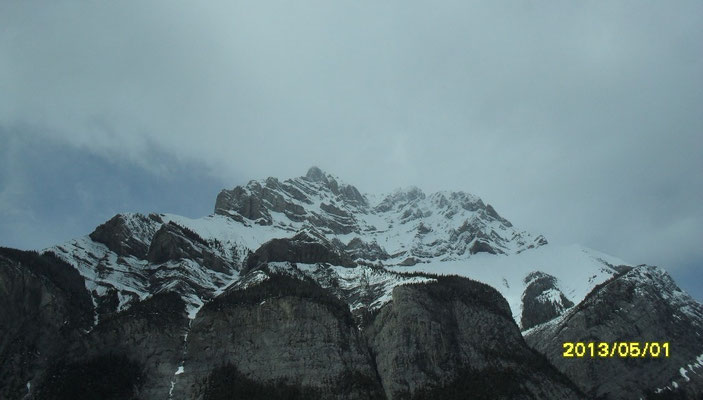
351,278
360,286
437,230
552,295
577,269
85,254
691,367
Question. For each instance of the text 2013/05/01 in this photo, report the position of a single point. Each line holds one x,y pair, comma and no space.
615,349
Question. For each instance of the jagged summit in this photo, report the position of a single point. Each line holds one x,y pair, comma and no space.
316,174
406,222
140,255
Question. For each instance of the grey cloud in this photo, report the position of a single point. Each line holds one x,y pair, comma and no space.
577,120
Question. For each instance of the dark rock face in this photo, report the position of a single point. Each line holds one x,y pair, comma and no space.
257,200
434,335
316,174
352,194
47,338
641,305
471,236
173,242
150,335
130,355
357,248
319,200
281,331
347,193
422,229
110,377
119,235
247,204
45,307
409,262
303,248
481,247
542,300
333,220
540,240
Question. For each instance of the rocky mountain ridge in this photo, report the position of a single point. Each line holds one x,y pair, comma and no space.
306,287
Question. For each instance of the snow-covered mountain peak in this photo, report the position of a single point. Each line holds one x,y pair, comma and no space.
399,198
405,223
309,219
315,174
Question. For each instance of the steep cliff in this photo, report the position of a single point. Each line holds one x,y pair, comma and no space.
45,308
455,338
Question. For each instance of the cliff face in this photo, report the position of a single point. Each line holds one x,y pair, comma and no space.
455,337
290,333
283,331
542,300
45,308
150,335
52,348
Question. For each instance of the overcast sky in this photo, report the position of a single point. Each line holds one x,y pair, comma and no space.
582,121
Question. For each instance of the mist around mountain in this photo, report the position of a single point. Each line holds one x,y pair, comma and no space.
307,288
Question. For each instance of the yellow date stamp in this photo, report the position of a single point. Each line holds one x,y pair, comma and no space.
615,349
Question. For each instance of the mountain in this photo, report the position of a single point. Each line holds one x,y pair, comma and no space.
309,288
640,304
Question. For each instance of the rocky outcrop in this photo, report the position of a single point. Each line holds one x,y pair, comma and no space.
640,305
347,193
480,246
333,220
471,235
173,242
127,235
409,262
304,247
357,248
435,337
257,200
246,203
542,300
319,200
